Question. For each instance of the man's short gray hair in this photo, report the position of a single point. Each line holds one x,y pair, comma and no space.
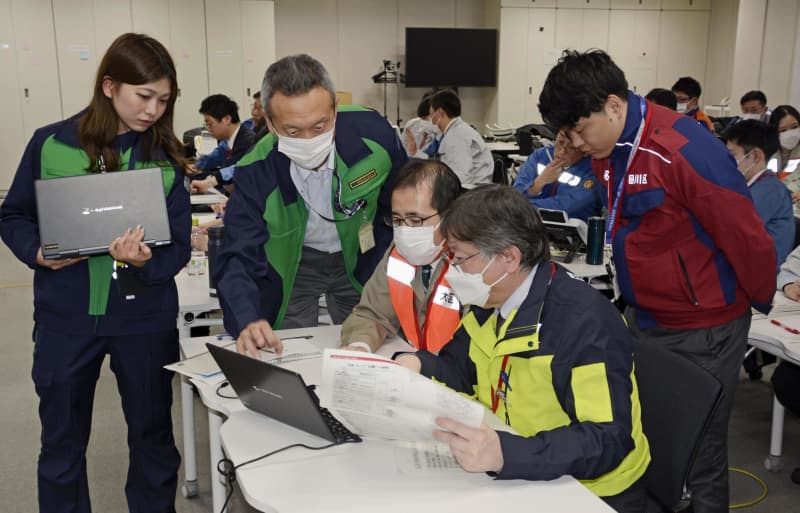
495,217
295,75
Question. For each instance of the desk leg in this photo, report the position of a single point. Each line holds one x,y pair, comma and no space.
189,488
218,487
773,462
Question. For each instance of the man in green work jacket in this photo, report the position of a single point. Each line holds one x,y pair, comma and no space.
302,219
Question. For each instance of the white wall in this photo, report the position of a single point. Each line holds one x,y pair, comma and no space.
753,44
777,54
50,50
747,49
353,37
794,88
721,46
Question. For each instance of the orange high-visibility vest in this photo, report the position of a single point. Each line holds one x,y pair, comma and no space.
443,309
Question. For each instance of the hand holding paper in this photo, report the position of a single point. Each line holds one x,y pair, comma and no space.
475,449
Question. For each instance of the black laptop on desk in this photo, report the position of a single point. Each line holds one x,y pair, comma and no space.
280,394
81,215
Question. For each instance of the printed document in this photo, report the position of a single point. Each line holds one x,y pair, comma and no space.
377,398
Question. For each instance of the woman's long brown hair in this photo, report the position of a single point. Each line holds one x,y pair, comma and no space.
133,59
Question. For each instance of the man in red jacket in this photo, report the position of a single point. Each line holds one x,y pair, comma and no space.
690,251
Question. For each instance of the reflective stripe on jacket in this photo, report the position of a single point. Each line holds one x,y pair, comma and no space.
443,309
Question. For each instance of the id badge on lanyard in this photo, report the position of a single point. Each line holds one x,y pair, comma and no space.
616,201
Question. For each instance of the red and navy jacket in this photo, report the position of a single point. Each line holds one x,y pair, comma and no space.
689,247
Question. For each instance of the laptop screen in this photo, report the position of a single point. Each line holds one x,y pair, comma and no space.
273,391
82,215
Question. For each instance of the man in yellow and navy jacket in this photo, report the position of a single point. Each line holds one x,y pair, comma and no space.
543,350
305,217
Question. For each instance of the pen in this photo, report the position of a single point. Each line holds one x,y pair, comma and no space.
791,330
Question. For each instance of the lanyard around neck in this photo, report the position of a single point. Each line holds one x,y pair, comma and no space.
614,212
504,379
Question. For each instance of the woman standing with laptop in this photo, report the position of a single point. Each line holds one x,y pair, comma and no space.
123,304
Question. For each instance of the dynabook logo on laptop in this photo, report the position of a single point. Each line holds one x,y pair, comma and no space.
100,210
265,391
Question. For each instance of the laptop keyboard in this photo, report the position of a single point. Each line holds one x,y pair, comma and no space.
340,433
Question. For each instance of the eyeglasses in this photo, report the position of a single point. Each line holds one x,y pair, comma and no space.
458,262
411,221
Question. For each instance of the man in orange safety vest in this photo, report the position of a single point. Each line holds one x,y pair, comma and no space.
407,294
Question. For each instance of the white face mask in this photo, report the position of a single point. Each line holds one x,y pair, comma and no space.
435,124
470,288
427,126
415,244
307,153
751,115
683,108
739,163
789,138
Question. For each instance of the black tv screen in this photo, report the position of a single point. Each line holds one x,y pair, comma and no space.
442,57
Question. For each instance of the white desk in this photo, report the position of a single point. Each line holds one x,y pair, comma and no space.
193,300
592,274
365,478
503,147
219,407
785,346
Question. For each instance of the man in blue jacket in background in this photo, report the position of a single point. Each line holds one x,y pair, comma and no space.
560,178
751,143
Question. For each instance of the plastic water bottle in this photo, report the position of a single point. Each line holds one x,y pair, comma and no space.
197,263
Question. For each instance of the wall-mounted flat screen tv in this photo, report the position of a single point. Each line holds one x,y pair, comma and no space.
442,57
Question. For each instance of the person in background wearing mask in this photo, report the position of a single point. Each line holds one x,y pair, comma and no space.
786,121
543,350
306,214
461,147
419,133
687,91
560,178
754,106
750,143
408,291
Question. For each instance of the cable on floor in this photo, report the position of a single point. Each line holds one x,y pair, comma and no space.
764,489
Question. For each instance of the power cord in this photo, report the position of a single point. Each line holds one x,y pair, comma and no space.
764,489
226,467
220,394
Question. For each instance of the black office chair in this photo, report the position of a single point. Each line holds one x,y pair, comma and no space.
677,399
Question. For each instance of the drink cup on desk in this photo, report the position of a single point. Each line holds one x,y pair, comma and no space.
215,236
